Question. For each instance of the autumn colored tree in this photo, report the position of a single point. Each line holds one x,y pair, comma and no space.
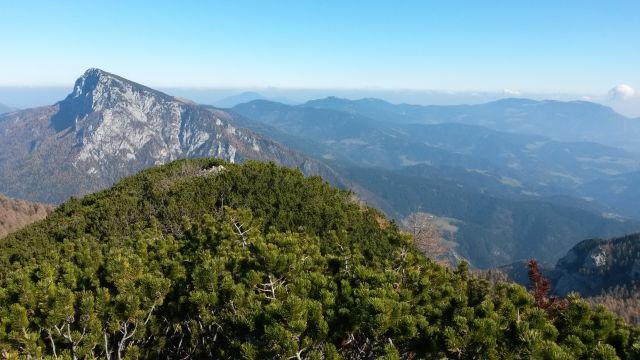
427,236
540,288
15,214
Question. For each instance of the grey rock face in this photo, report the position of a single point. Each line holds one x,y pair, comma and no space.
110,127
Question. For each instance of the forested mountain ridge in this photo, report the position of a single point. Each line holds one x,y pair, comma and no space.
109,127
371,141
604,271
202,258
569,121
621,191
491,230
15,214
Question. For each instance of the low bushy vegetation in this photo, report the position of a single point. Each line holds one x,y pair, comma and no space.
204,259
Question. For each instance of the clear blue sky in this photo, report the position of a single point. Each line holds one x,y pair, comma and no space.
536,46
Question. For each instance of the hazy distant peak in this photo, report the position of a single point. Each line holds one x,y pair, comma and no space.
515,101
250,93
373,100
329,101
338,101
244,97
263,104
576,108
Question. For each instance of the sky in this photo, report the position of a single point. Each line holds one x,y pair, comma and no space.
584,48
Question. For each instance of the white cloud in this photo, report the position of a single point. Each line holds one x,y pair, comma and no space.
511,92
621,92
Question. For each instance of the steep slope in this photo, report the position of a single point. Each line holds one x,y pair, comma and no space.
560,164
596,266
205,259
591,267
491,230
604,271
16,214
621,192
110,127
564,121
499,186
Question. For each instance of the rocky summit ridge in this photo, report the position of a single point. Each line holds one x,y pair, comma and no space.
109,127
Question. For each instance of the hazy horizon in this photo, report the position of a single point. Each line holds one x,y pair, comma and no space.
573,50
32,96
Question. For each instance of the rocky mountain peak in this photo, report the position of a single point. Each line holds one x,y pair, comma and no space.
88,82
97,91
107,89
109,127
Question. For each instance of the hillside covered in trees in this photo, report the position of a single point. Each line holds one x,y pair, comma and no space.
603,271
15,214
205,259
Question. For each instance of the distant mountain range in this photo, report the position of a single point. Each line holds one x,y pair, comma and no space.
374,142
507,195
233,100
558,120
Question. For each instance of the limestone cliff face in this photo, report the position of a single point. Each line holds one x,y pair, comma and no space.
597,265
110,127
592,267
